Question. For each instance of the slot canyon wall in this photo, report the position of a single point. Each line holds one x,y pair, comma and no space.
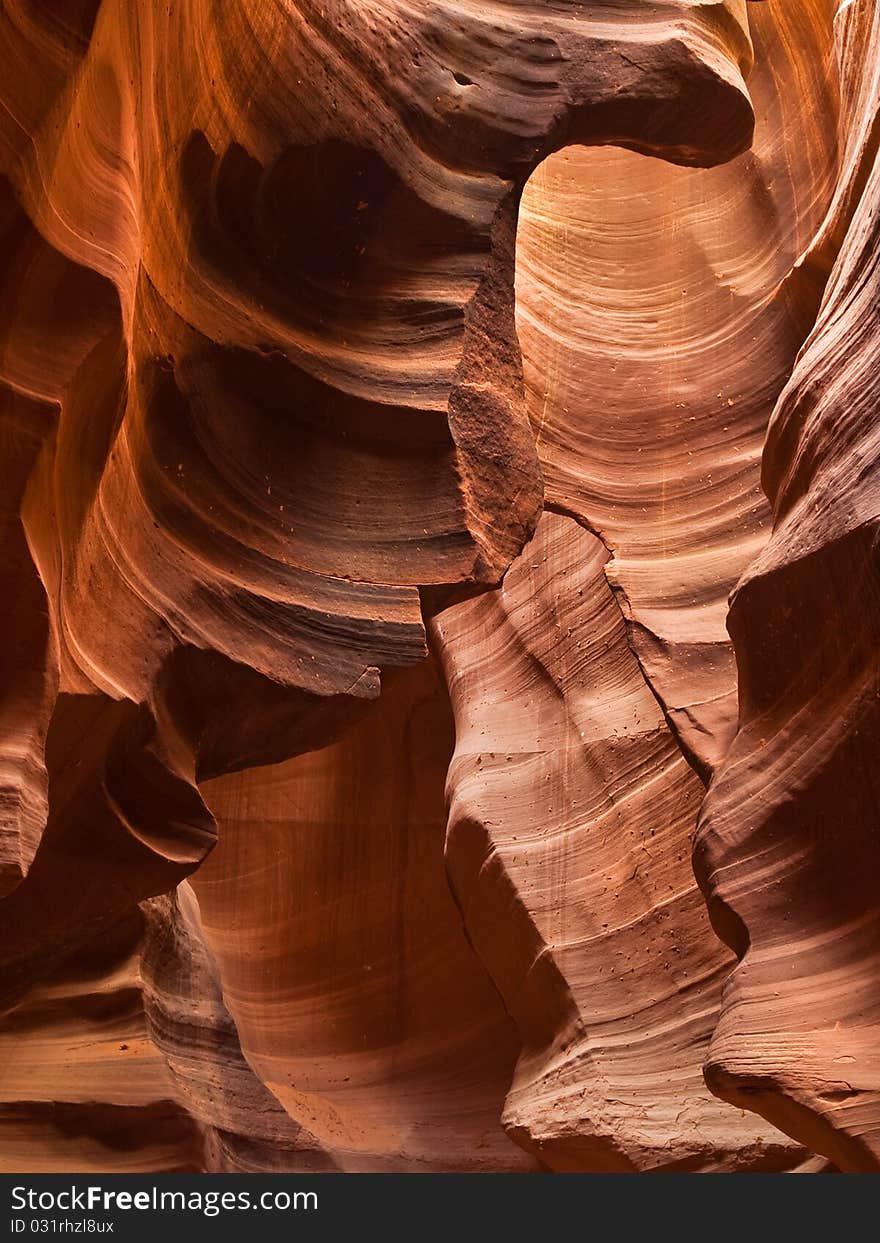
440,700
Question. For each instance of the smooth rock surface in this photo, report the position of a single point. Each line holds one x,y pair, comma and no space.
391,397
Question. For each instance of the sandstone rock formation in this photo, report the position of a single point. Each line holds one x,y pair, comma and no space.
309,310
788,844
568,847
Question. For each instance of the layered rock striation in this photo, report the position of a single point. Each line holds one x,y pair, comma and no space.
347,799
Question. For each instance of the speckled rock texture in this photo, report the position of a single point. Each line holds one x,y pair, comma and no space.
439,701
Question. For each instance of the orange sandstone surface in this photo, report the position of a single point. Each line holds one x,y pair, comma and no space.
439,712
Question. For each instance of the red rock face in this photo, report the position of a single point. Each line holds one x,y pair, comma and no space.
384,389
787,844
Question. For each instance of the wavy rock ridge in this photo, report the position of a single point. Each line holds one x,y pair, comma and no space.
306,318
787,844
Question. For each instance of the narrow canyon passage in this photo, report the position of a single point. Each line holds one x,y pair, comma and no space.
657,333
787,849
654,350
391,406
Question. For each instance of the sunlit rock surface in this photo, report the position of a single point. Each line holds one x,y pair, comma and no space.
347,800
788,850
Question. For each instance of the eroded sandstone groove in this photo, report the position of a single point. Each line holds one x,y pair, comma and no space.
347,799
